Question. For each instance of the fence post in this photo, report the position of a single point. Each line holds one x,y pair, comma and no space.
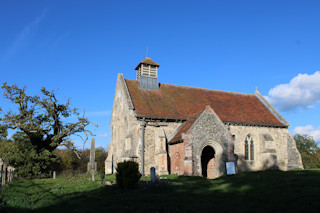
4,175
6,172
1,170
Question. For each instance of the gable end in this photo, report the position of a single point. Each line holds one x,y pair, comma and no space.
270,108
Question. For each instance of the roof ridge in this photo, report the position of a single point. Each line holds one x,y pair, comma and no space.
215,90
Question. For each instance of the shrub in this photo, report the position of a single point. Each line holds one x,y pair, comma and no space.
128,174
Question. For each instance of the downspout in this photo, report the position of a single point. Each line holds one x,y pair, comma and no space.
143,126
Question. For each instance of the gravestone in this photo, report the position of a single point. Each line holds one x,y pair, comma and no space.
92,164
153,174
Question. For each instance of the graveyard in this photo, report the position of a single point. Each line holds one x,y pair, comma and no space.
265,191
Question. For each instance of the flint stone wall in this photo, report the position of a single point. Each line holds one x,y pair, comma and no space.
124,129
277,152
209,131
155,154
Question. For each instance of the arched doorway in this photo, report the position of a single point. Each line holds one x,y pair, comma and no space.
208,162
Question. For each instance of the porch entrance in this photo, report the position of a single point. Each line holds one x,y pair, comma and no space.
208,162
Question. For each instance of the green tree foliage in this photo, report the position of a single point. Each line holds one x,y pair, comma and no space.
101,156
70,164
128,174
23,156
3,132
42,122
310,152
306,144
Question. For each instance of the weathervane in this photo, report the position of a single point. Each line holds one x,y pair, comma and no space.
147,52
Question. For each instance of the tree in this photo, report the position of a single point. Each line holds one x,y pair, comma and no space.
3,132
306,144
310,152
42,120
101,156
23,156
68,160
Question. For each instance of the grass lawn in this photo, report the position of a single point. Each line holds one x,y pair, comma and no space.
268,191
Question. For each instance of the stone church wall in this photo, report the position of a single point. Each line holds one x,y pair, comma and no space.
294,157
124,130
270,148
156,153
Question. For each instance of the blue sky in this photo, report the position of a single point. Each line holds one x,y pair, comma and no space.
79,47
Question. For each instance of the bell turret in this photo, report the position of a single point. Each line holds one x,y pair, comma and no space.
147,74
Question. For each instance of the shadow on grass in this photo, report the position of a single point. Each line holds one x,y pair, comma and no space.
268,191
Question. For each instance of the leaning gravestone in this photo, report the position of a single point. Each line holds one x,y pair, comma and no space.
92,165
153,174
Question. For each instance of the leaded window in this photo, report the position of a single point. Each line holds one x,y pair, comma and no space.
246,152
249,150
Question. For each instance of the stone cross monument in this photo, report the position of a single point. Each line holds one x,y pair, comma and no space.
92,164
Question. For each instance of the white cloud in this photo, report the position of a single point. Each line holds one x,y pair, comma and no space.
308,130
23,36
105,135
302,91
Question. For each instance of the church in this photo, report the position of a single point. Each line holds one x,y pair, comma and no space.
192,131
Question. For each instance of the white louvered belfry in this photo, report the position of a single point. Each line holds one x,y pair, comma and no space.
147,70
147,74
138,73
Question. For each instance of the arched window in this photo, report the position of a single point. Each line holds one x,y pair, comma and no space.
246,150
249,151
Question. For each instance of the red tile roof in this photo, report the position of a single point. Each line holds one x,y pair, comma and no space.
184,128
180,102
148,60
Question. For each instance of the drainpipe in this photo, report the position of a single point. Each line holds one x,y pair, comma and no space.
143,126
